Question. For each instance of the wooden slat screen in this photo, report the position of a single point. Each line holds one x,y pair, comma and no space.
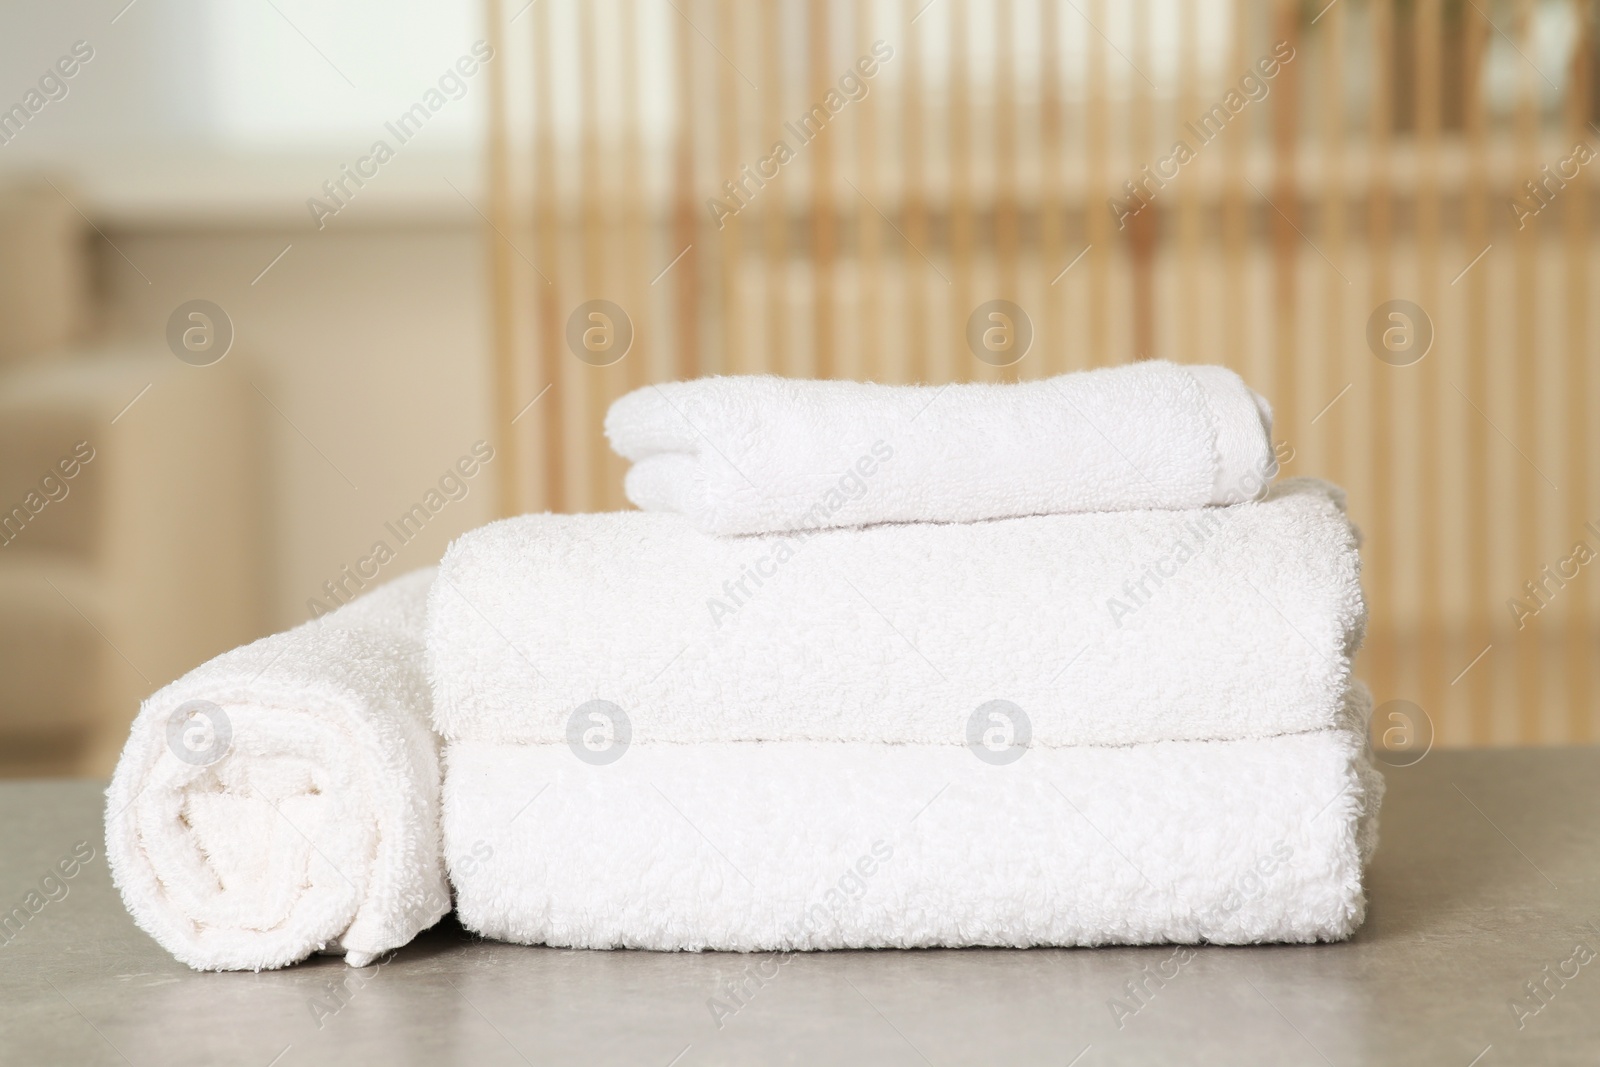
1429,151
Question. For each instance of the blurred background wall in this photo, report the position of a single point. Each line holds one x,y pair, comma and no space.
178,167
1336,158
1379,212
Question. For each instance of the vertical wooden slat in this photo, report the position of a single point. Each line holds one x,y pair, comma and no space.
1190,329
686,208
1579,650
1286,224
508,472
1526,484
775,199
1007,235
547,224
1096,192
1235,222
958,163
824,225
1332,419
1142,228
729,243
869,227
637,216
593,382
913,182
1052,339
1479,683
1427,31
1380,548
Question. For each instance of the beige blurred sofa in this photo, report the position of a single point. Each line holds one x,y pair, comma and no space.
129,543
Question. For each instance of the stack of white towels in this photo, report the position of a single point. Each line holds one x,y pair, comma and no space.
1044,663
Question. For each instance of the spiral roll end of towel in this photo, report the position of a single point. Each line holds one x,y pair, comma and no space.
283,799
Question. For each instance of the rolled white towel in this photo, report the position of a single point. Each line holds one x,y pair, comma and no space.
283,798
763,454
1101,628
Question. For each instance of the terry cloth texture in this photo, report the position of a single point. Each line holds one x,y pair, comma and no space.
764,454
1221,623
807,845
283,798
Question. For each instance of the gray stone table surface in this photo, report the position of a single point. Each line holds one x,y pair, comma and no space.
1488,873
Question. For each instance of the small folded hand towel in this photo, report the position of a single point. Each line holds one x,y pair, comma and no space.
763,454
283,798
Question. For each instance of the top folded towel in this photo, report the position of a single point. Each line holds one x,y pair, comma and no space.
747,455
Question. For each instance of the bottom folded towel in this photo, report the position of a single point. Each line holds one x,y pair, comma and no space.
804,845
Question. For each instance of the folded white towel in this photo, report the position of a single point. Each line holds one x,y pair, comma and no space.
763,454
804,845
283,799
1103,628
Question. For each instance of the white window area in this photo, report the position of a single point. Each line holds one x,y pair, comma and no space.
306,74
